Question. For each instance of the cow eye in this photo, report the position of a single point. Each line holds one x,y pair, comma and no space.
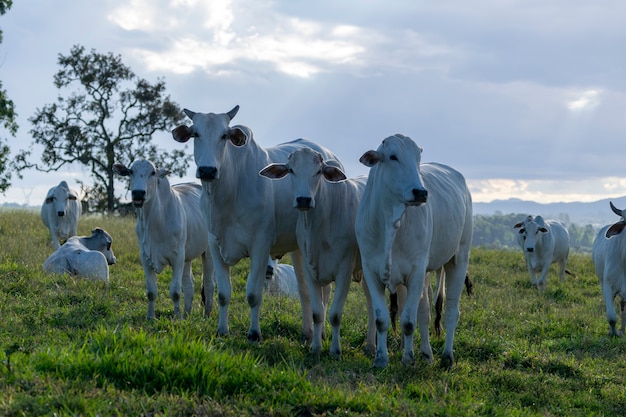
153,173
393,158
224,136
108,245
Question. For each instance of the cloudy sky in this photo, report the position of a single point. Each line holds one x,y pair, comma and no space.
526,98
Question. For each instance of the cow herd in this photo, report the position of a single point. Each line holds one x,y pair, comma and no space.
388,231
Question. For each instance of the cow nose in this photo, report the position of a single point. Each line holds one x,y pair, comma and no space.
138,197
303,202
269,272
60,213
530,249
420,195
206,173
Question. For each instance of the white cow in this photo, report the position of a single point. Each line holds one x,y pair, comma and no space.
543,242
609,258
171,230
413,218
83,256
60,212
249,216
281,279
327,204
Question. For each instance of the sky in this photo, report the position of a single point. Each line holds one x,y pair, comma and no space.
526,98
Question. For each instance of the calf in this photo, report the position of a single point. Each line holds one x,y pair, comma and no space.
544,242
171,230
60,212
82,256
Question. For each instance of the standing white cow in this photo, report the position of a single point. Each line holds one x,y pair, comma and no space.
327,204
171,230
413,218
60,212
83,256
609,258
543,242
249,216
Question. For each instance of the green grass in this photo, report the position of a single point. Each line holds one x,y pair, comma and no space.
76,347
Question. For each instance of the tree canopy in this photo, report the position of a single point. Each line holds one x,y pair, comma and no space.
7,119
109,117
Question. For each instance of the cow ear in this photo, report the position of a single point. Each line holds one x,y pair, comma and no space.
332,173
162,172
237,136
72,197
275,171
120,169
182,133
615,229
370,158
520,224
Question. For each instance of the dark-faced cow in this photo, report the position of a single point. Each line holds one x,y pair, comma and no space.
83,256
543,242
60,213
249,216
609,258
413,218
327,204
172,230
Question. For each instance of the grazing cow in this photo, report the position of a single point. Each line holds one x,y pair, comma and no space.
609,258
249,216
327,204
281,279
172,230
60,212
413,218
83,256
543,242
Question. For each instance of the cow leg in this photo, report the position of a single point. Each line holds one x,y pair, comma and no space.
54,239
151,286
208,283
178,266
417,295
542,282
224,289
305,299
318,310
611,315
254,292
370,339
622,306
455,272
562,269
188,289
342,286
381,317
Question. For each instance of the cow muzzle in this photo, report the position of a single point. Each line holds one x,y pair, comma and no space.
530,250
304,203
60,213
206,173
420,196
139,197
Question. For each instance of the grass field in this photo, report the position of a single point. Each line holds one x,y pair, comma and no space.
76,347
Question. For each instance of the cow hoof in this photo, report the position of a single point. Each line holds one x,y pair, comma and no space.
254,336
381,362
369,350
408,359
447,361
336,354
222,332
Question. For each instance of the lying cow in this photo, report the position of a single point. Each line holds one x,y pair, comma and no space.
327,202
609,258
413,218
544,242
82,256
60,213
281,279
171,230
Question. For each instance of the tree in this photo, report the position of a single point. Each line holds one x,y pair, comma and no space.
7,119
110,119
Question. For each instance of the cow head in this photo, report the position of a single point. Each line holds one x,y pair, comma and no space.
616,228
307,168
60,196
144,179
397,164
211,133
101,241
530,230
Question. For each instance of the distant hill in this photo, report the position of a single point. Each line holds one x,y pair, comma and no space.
596,213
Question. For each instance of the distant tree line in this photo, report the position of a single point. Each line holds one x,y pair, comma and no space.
496,231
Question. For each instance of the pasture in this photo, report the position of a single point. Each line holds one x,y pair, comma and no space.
76,347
